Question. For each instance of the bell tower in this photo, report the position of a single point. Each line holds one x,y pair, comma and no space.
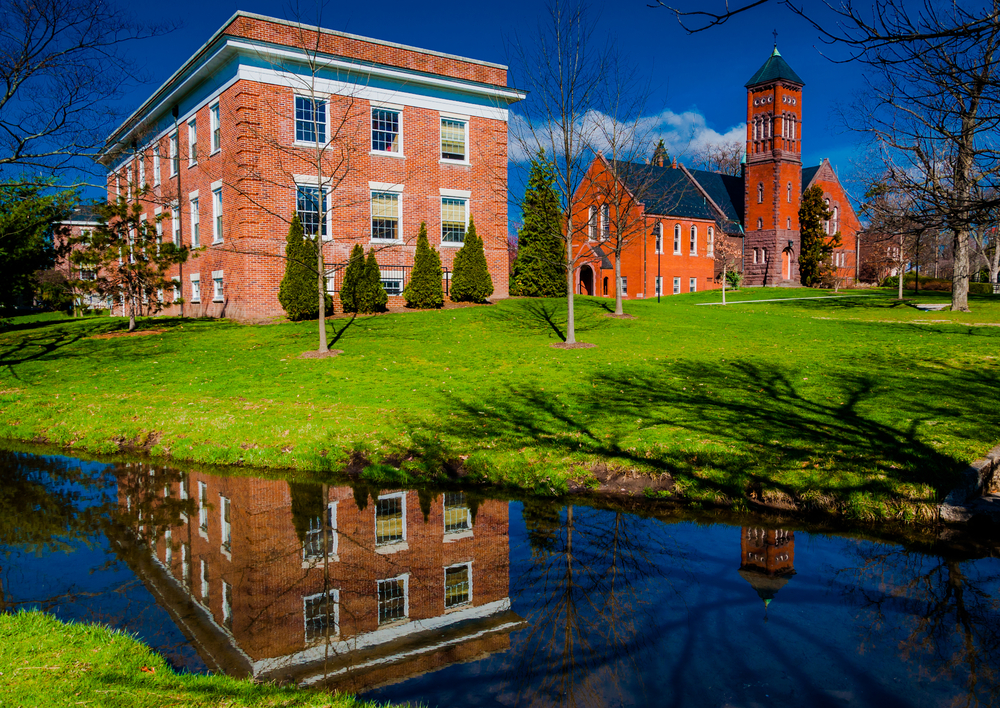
772,175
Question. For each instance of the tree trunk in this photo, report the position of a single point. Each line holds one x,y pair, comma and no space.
321,285
963,181
994,264
618,284
723,283
899,271
131,321
960,277
570,289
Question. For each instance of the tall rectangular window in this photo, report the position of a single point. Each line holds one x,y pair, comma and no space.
321,536
177,296
658,238
605,221
390,520
458,585
142,171
186,564
195,219
196,288
453,220
692,285
591,223
227,527
204,582
452,139
393,603
159,231
156,165
694,241
677,239
385,216
227,605
457,515
322,615
659,285
218,291
192,142
312,212
202,487
213,114
385,130
710,242
217,215
624,285
677,286
310,120
168,550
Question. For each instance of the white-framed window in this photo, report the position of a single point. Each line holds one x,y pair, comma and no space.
177,296
392,281
202,486
310,120
763,255
457,514
755,255
218,289
168,550
623,282
692,285
693,241
605,222
196,288
215,126
387,130
659,285
186,564
128,180
156,165
393,599
390,519
142,170
454,219
195,221
658,238
227,605
677,286
192,142
710,242
175,222
826,222
205,585
311,211
836,219
457,585
321,537
158,224
677,239
225,509
321,615
454,139
591,223
385,216
217,215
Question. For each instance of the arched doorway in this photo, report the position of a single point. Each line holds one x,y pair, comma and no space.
586,280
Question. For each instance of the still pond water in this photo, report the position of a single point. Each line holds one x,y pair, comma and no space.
449,598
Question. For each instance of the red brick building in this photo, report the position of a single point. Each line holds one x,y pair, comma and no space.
678,215
271,118
308,583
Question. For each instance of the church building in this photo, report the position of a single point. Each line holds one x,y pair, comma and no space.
666,221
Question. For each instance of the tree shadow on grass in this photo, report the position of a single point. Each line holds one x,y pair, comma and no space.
734,429
532,316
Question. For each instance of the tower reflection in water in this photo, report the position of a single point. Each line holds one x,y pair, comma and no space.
318,584
767,560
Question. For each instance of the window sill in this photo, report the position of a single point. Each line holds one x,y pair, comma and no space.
216,242
319,562
216,151
203,533
228,554
452,536
678,253
459,607
392,548
218,299
302,144
196,302
461,163
392,242
452,244
383,153
192,164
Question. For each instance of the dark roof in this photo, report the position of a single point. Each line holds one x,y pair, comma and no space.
664,190
766,585
807,175
606,263
774,68
727,192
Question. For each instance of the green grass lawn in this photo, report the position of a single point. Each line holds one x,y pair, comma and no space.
846,402
44,662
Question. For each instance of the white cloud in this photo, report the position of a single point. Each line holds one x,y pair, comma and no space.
683,133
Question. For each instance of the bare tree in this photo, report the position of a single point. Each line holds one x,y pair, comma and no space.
562,67
728,254
724,157
63,64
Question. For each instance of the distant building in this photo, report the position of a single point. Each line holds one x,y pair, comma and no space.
681,213
271,118
767,560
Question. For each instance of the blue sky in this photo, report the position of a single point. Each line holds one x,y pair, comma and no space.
696,78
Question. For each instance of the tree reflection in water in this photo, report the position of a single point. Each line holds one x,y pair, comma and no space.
950,630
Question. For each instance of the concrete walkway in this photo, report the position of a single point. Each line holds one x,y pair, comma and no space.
781,299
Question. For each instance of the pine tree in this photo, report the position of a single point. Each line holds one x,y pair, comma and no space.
424,289
470,278
660,154
816,249
352,279
371,296
540,268
297,293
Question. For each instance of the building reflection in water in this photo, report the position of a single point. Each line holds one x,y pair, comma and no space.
326,585
767,561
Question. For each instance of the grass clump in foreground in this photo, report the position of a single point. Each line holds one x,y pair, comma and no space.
858,403
45,662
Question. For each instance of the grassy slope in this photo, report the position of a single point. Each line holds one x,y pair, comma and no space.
44,662
848,399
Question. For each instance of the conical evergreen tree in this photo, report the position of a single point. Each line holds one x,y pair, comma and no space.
424,289
371,295
816,248
540,269
297,292
470,279
660,154
352,279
